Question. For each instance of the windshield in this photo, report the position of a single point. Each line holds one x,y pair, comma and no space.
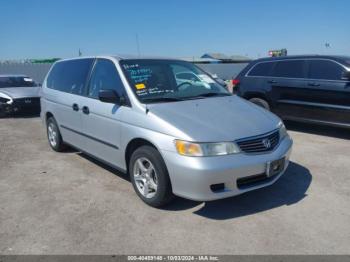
167,80
16,81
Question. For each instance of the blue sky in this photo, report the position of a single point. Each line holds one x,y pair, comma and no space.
179,28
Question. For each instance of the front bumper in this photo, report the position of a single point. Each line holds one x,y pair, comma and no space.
192,177
31,104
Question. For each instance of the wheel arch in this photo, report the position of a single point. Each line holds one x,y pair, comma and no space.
250,95
134,144
48,114
261,95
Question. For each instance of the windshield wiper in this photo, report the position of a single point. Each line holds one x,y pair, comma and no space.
211,94
161,99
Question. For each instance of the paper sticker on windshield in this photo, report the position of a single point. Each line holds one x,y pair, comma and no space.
206,78
27,79
140,86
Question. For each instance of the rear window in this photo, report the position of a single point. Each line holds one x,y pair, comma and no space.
261,69
70,76
325,69
290,69
16,81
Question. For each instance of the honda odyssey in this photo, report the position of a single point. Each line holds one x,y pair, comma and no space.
190,138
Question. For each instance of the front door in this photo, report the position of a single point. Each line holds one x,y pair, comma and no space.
330,101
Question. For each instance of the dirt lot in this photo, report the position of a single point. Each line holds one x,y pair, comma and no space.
67,203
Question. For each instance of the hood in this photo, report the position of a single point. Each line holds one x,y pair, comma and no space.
21,92
214,119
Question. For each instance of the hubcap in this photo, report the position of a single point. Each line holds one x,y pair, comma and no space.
52,133
145,177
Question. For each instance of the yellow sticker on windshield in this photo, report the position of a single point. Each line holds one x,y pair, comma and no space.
140,86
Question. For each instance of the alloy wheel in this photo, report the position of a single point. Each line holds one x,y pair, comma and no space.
145,177
52,134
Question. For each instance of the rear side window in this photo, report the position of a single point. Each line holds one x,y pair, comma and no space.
105,76
70,76
325,69
261,69
290,69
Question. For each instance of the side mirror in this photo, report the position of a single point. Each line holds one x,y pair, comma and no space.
109,96
346,76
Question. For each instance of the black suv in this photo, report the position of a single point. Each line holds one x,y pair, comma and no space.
303,88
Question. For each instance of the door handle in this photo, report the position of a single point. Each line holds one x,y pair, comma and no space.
272,81
75,107
85,110
313,84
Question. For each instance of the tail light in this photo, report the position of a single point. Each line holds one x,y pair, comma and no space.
235,82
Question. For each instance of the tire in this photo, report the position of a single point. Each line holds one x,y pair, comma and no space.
54,136
260,102
147,167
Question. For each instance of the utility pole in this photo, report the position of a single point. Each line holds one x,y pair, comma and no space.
138,45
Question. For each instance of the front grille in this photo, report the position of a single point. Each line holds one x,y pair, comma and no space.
27,102
259,144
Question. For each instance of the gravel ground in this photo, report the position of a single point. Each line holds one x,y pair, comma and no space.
67,203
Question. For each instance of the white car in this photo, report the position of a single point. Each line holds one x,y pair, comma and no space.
18,93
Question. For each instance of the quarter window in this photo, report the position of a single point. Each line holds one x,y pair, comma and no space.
290,69
262,69
324,69
70,76
105,76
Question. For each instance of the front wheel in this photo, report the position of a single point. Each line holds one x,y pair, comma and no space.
149,177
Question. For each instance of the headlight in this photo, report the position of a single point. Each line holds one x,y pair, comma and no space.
205,149
5,99
283,130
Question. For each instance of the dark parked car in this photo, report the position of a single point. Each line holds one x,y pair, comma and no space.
302,88
18,93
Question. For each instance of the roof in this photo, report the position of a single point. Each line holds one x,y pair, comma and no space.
200,60
121,57
240,58
223,57
334,57
219,56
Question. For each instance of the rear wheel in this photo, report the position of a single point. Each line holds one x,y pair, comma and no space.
260,102
54,135
149,176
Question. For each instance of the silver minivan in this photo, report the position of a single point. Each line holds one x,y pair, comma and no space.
165,122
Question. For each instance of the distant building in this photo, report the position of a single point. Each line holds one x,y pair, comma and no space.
200,60
30,61
227,59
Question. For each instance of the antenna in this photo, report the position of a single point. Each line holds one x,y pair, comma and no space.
138,44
